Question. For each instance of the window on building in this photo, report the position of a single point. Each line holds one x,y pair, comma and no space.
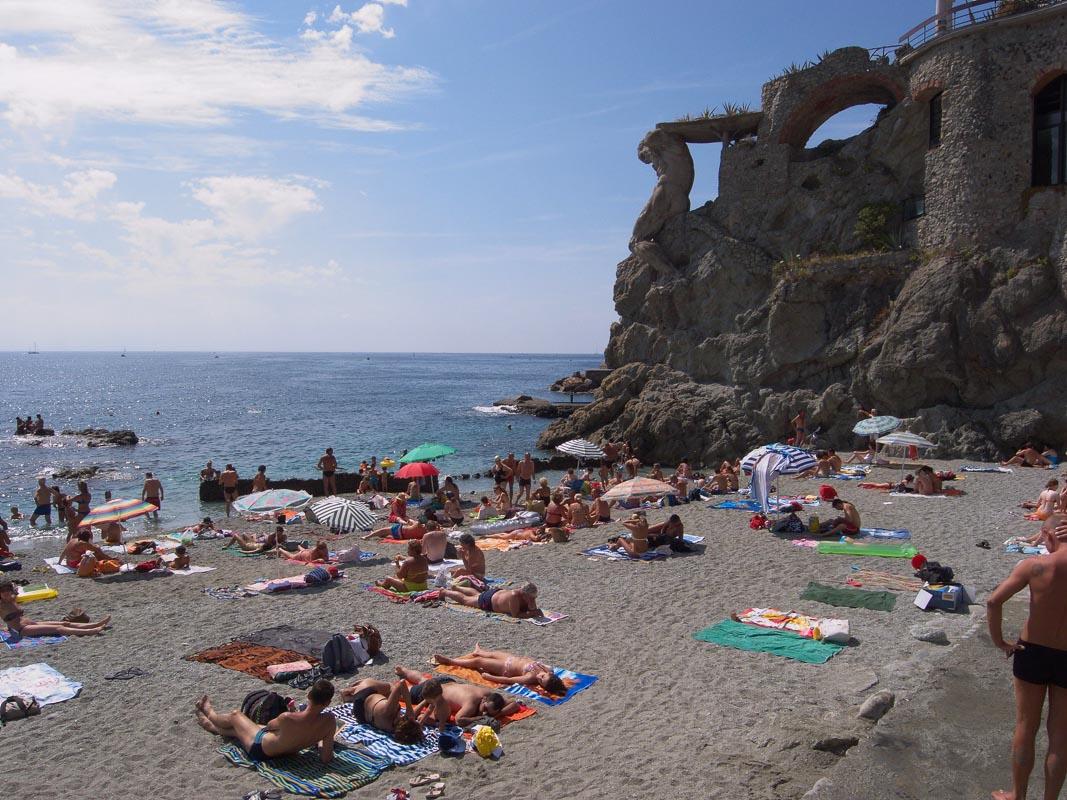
1050,133
935,119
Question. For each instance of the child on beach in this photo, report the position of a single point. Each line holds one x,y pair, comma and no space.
433,707
15,513
181,558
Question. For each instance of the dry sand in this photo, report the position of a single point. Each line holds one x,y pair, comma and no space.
671,717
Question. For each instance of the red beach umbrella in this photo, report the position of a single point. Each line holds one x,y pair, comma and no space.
417,469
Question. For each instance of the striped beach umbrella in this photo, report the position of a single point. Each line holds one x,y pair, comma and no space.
581,448
116,511
271,500
793,459
636,488
905,439
876,426
339,513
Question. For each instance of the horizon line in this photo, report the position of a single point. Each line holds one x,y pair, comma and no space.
313,352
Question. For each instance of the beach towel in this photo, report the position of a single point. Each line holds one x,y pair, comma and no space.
945,493
305,773
251,659
27,642
883,580
976,468
308,641
1018,544
59,569
421,596
885,533
739,636
848,597
873,549
803,624
606,551
38,681
574,681
192,569
285,584
228,592
846,476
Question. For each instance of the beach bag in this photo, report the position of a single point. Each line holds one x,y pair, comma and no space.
16,707
316,576
337,655
263,705
372,638
10,566
76,615
757,522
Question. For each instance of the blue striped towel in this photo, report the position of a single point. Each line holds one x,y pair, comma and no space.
580,683
305,773
14,643
886,533
383,745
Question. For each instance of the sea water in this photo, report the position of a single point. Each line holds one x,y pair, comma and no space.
281,410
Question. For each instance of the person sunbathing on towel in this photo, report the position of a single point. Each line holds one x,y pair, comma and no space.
19,627
286,734
666,532
1047,501
398,530
473,559
524,535
823,467
520,603
849,524
386,707
638,541
505,668
248,543
181,558
411,572
1027,456
468,702
927,482
905,486
320,552
76,548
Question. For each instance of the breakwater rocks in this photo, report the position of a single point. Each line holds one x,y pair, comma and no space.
536,407
579,382
76,473
101,437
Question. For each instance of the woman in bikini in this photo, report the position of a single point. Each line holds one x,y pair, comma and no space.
18,626
247,542
507,668
452,509
378,704
638,541
412,572
320,552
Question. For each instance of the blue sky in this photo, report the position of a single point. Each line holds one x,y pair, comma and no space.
442,175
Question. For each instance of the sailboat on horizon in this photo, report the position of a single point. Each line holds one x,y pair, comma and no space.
34,351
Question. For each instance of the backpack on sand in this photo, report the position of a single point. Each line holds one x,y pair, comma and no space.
337,655
372,639
263,705
16,707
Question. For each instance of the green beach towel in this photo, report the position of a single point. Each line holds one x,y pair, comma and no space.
874,549
848,597
305,774
786,644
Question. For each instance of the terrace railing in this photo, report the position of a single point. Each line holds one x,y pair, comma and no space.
967,14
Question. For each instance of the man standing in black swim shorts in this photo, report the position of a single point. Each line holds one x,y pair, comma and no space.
1040,661
328,466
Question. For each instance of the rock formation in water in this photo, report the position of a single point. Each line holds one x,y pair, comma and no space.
919,267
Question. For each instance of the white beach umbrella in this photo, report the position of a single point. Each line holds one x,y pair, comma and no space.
905,439
636,488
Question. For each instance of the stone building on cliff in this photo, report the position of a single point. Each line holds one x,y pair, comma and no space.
919,267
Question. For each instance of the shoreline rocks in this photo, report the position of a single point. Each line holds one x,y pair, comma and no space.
102,437
578,382
536,407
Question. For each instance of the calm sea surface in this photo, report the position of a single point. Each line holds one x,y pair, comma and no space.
281,410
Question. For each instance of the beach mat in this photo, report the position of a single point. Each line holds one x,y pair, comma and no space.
1018,544
305,773
785,644
884,580
382,745
975,468
59,569
848,597
876,549
39,681
28,642
604,551
251,659
574,681
885,533
308,641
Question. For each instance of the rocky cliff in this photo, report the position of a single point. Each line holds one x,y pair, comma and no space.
807,287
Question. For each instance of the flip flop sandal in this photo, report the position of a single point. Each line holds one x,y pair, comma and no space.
396,793
422,780
272,794
984,545
126,674
436,790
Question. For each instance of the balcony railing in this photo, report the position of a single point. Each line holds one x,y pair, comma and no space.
967,14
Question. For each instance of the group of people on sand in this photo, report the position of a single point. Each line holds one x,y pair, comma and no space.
1033,455
400,708
30,425
72,509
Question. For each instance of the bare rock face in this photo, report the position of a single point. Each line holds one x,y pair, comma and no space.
809,284
101,437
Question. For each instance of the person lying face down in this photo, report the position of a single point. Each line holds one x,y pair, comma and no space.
467,702
386,707
520,603
506,668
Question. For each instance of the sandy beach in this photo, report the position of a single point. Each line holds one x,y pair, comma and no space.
670,717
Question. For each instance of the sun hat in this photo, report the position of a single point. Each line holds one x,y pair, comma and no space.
451,744
827,492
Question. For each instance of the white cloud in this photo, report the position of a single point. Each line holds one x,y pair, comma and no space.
193,62
75,199
249,207
368,18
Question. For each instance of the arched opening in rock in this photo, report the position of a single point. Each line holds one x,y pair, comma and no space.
850,97
845,124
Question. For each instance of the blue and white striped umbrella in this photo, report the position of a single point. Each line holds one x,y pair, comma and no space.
876,426
794,459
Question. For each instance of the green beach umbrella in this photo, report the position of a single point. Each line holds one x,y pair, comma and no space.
427,451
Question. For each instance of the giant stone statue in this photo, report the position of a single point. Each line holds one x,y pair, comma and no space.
669,156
